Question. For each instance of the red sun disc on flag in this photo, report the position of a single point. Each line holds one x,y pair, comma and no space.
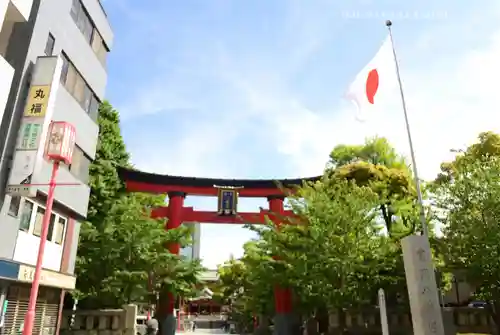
372,82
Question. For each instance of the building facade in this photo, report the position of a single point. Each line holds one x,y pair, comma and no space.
52,68
193,251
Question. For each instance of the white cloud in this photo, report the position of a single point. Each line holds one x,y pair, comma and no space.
449,102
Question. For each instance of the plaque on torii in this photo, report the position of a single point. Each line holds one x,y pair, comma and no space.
227,200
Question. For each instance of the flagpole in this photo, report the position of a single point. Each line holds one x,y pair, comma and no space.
426,312
423,221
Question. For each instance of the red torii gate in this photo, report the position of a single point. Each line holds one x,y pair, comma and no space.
177,188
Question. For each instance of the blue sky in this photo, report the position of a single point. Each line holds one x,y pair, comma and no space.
253,88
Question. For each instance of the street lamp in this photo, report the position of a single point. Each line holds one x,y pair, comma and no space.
59,148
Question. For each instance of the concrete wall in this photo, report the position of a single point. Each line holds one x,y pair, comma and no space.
6,75
68,109
3,10
73,247
74,198
26,243
68,38
27,250
100,322
11,12
9,227
23,7
15,10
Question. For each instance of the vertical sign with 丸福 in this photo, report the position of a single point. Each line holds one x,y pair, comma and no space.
36,106
34,115
37,115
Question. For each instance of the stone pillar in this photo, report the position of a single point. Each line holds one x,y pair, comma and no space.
130,320
284,319
167,299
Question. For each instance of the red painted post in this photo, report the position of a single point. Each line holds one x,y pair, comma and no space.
60,312
175,207
30,315
282,296
150,291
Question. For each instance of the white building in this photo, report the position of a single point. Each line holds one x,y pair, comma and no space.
52,68
193,251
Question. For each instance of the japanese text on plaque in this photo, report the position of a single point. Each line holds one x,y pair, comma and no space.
37,101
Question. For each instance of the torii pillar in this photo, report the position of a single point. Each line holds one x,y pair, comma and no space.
167,299
284,318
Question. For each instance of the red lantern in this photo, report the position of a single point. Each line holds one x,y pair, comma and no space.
60,142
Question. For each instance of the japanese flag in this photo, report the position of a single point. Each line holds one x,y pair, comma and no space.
375,84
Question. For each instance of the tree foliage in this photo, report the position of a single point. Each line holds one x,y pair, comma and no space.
335,253
104,182
329,257
246,282
121,248
376,164
467,192
333,256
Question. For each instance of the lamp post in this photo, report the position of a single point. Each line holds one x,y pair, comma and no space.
59,148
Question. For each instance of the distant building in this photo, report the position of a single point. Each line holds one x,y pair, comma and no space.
209,276
193,251
203,302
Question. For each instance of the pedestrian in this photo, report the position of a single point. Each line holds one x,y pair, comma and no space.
194,322
152,327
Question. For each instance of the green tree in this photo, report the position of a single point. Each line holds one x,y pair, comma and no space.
468,195
334,255
247,285
121,247
377,164
111,152
488,146
330,254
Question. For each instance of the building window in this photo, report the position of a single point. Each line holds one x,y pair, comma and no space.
26,216
99,47
75,9
51,226
76,85
15,205
80,164
79,91
88,29
60,230
49,46
94,107
57,224
37,228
